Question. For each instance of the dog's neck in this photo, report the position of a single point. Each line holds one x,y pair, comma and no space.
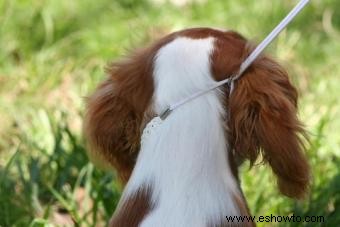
184,164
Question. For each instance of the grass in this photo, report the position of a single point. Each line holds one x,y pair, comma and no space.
52,55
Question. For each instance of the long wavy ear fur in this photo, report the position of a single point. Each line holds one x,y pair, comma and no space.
263,119
116,110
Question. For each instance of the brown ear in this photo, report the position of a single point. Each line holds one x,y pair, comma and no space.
116,110
263,119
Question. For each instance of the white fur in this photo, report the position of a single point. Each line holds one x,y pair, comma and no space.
185,157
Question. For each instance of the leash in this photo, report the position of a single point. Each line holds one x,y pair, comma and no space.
249,60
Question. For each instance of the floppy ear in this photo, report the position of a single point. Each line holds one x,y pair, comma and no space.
263,119
116,110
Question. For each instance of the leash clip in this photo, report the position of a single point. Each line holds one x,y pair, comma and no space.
165,113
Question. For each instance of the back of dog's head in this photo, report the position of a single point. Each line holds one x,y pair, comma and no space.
261,111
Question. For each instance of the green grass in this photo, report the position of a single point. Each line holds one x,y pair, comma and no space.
52,55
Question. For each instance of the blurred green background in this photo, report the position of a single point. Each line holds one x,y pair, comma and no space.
53,54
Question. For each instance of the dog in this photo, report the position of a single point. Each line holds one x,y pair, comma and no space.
183,172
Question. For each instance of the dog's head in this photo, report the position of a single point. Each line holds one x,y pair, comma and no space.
261,110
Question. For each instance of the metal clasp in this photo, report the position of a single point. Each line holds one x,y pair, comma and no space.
165,113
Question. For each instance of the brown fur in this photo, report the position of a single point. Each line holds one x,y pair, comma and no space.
262,114
263,119
115,112
133,210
